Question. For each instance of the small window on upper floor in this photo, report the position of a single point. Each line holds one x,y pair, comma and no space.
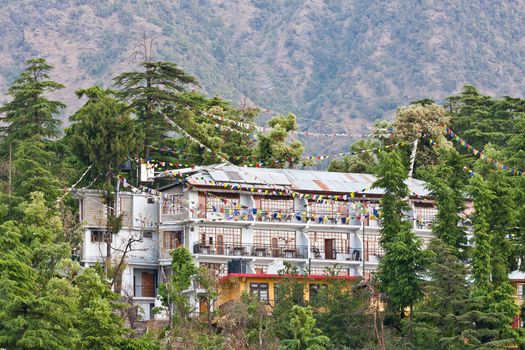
148,234
100,236
151,200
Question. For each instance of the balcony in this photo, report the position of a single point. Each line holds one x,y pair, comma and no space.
348,254
254,250
174,208
287,217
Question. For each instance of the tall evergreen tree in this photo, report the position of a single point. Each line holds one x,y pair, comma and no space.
153,92
448,317
30,113
502,220
400,270
482,250
37,310
446,226
31,168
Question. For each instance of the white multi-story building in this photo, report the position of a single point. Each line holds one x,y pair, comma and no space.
247,220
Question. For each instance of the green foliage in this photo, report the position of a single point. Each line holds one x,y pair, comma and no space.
30,113
36,311
363,161
152,93
400,270
343,312
102,133
273,149
305,334
183,269
482,119
446,226
31,167
99,326
482,254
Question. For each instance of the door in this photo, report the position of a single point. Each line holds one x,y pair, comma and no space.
220,245
275,248
148,285
329,249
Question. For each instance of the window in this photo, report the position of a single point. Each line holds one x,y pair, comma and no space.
148,234
225,203
520,291
261,269
260,290
172,239
314,290
230,235
277,204
100,236
216,269
266,238
151,200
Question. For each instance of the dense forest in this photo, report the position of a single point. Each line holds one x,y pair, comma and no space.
455,294
337,64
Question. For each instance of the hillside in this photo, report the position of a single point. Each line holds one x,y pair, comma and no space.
337,64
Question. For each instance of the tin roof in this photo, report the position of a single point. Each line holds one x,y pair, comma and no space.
308,181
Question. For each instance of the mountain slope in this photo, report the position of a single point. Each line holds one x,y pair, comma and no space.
338,64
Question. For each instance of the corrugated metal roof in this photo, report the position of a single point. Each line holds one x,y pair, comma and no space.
298,180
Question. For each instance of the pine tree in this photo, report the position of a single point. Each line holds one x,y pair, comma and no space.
31,168
306,336
272,148
449,317
35,312
400,270
503,219
30,113
482,250
153,93
446,226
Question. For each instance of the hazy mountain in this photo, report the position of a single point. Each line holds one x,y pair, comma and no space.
334,63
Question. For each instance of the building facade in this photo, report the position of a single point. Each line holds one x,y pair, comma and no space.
248,221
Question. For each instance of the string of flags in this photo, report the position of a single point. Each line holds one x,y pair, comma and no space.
201,145
497,164
229,209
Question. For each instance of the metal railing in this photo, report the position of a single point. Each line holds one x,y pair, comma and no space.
348,254
256,250
289,217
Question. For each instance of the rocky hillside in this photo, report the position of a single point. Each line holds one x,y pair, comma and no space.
337,64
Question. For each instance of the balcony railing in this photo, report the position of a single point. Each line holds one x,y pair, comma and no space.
169,214
144,291
289,217
349,254
256,250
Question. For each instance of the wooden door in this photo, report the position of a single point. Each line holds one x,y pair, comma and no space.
202,205
148,285
275,248
329,249
220,245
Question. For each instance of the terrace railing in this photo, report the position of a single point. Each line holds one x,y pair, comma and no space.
255,250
